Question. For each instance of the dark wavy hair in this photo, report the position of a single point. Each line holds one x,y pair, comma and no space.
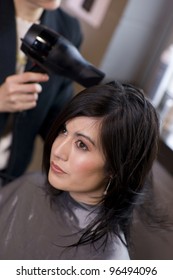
129,137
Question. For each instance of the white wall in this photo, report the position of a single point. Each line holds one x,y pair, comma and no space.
137,40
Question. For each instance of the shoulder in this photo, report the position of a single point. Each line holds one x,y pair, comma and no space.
23,189
65,24
69,21
66,17
72,29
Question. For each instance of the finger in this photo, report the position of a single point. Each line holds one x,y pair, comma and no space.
23,98
25,88
20,106
27,77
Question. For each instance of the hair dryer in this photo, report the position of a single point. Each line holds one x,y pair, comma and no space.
53,53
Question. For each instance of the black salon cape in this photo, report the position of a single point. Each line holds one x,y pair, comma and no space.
33,227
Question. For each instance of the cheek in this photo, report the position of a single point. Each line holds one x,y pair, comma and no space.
86,165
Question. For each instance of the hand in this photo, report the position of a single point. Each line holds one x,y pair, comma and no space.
20,92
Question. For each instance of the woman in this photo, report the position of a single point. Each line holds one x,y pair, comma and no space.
96,159
24,116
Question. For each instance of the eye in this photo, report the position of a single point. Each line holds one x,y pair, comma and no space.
81,145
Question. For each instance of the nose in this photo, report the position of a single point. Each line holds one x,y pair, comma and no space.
62,149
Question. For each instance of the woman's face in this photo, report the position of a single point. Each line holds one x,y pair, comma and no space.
77,161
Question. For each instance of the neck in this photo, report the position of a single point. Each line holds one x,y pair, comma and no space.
27,11
86,198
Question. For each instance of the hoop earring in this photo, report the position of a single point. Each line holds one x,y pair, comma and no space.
107,187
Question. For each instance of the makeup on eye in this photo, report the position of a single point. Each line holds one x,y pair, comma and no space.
86,137
81,145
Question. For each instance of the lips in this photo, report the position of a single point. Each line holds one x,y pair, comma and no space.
55,168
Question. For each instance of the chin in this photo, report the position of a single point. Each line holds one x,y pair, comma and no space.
53,181
52,5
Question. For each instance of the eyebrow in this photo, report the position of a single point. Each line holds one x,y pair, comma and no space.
87,137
